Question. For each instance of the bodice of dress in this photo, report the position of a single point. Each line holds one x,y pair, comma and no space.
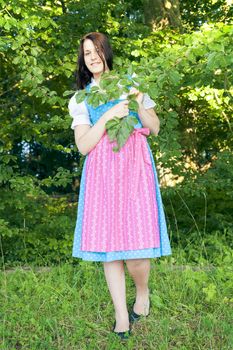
96,113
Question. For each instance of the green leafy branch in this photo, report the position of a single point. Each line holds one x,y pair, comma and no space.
119,130
111,87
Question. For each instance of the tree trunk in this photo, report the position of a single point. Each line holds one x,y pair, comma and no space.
63,5
162,13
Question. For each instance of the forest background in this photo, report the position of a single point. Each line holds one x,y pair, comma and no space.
184,50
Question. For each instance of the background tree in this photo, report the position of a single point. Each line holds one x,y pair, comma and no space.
162,13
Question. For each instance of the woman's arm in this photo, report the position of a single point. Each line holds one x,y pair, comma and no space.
149,119
87,137
147,116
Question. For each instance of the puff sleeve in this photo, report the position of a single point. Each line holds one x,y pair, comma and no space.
79,113
148,102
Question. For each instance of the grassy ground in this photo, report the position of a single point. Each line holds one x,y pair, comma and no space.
68,307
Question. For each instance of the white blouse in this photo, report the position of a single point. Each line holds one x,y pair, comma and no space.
79,111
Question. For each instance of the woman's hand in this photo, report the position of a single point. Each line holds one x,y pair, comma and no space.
138,94
120,110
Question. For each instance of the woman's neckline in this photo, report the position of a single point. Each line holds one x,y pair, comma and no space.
93,81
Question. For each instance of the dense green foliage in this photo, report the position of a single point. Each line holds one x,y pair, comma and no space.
189,75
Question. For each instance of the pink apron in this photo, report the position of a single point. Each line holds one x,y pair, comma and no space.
120,207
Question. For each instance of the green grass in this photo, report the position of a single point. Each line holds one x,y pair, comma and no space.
68,307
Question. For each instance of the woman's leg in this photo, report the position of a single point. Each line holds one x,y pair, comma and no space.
115,277
139,269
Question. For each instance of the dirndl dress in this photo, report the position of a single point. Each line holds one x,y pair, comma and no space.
120,212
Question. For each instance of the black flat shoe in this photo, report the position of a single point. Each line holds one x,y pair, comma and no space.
134,317
123,335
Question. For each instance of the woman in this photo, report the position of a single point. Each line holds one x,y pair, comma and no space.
120,213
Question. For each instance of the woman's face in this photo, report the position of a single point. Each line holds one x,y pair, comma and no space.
92,59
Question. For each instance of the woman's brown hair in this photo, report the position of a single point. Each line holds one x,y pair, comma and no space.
101,42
